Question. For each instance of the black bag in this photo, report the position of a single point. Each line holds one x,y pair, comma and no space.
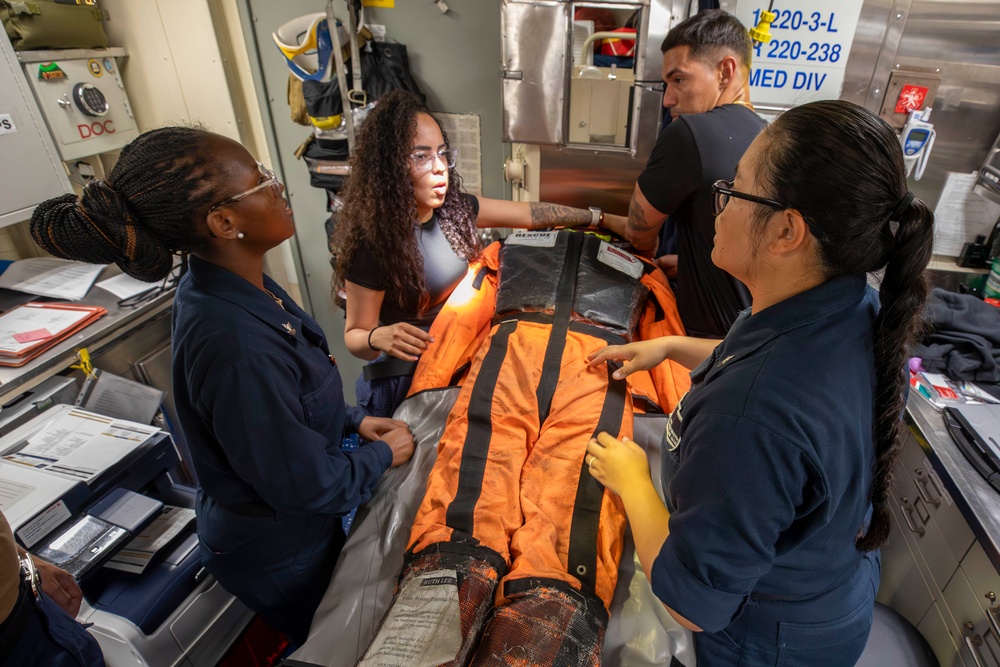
387,68
383,69
327,160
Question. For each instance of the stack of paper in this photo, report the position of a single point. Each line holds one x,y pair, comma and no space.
74,443
137,554
31,329
48,276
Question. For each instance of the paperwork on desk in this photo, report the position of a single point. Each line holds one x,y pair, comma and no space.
24,492
137,554
119,397
76,444
32,328
125,286
48,276
961,214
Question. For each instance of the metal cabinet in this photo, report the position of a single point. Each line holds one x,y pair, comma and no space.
934,572
30,171
971,596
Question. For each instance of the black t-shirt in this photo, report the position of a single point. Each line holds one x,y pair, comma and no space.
443,271
690,154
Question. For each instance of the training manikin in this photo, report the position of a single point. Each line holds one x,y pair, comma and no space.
510,505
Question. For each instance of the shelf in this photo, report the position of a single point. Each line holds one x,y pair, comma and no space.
49,55
108,329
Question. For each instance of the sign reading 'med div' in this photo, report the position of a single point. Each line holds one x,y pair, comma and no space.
807,54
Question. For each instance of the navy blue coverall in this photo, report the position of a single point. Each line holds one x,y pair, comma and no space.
261,405
772,486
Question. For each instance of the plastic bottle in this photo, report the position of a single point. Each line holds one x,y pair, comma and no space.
992,288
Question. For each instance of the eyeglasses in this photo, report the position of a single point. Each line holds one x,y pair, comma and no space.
270,182
723,191
424,160
154,291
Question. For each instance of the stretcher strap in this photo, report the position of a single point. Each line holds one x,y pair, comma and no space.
580,327
582,556
560,325
473,467
388,368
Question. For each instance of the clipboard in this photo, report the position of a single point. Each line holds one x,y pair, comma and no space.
32,328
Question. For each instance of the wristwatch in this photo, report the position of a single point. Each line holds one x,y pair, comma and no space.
596,217
29,572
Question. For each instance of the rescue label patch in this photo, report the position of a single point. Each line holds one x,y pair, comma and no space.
535,239
619,260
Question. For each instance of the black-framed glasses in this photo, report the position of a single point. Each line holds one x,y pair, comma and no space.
722,191
423,160
271,181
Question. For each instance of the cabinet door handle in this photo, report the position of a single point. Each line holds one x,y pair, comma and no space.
973,642
922,483
908,510
993,614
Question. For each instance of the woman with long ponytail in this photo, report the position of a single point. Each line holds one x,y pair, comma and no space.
778,463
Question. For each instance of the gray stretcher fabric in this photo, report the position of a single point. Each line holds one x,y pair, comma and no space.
640,632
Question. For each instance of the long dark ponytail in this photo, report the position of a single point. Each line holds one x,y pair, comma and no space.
841,167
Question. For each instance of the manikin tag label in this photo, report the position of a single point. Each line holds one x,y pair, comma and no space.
536,239
423,627
619,260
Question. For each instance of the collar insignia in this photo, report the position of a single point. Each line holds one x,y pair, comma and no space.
723,362
289,328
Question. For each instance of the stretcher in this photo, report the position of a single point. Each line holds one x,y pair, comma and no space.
512,537
640,632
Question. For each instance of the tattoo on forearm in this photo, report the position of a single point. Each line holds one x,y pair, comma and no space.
637,218
549,215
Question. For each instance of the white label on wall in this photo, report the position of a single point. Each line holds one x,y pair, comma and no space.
807,54
7,124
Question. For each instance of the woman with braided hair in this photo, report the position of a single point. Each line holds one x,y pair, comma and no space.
405,238
778,462
258,396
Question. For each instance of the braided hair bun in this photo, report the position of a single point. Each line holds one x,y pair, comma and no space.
99,228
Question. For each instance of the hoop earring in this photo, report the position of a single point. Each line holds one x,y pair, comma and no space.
240,235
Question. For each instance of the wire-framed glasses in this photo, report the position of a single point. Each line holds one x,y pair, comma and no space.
271,181
423,160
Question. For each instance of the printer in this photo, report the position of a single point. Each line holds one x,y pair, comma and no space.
168,613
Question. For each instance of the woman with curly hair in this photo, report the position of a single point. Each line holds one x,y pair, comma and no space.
405,239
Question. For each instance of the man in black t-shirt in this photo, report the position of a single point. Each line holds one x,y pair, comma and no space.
706,70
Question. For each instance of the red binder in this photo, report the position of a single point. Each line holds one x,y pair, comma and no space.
32,328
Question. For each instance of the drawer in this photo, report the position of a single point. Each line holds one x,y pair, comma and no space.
903,587
939,503
935,631
970,627
924,532
983,577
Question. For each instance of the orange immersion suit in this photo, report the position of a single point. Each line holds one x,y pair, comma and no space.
510,483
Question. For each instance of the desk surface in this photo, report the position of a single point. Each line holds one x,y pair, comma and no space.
978,501
14,381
